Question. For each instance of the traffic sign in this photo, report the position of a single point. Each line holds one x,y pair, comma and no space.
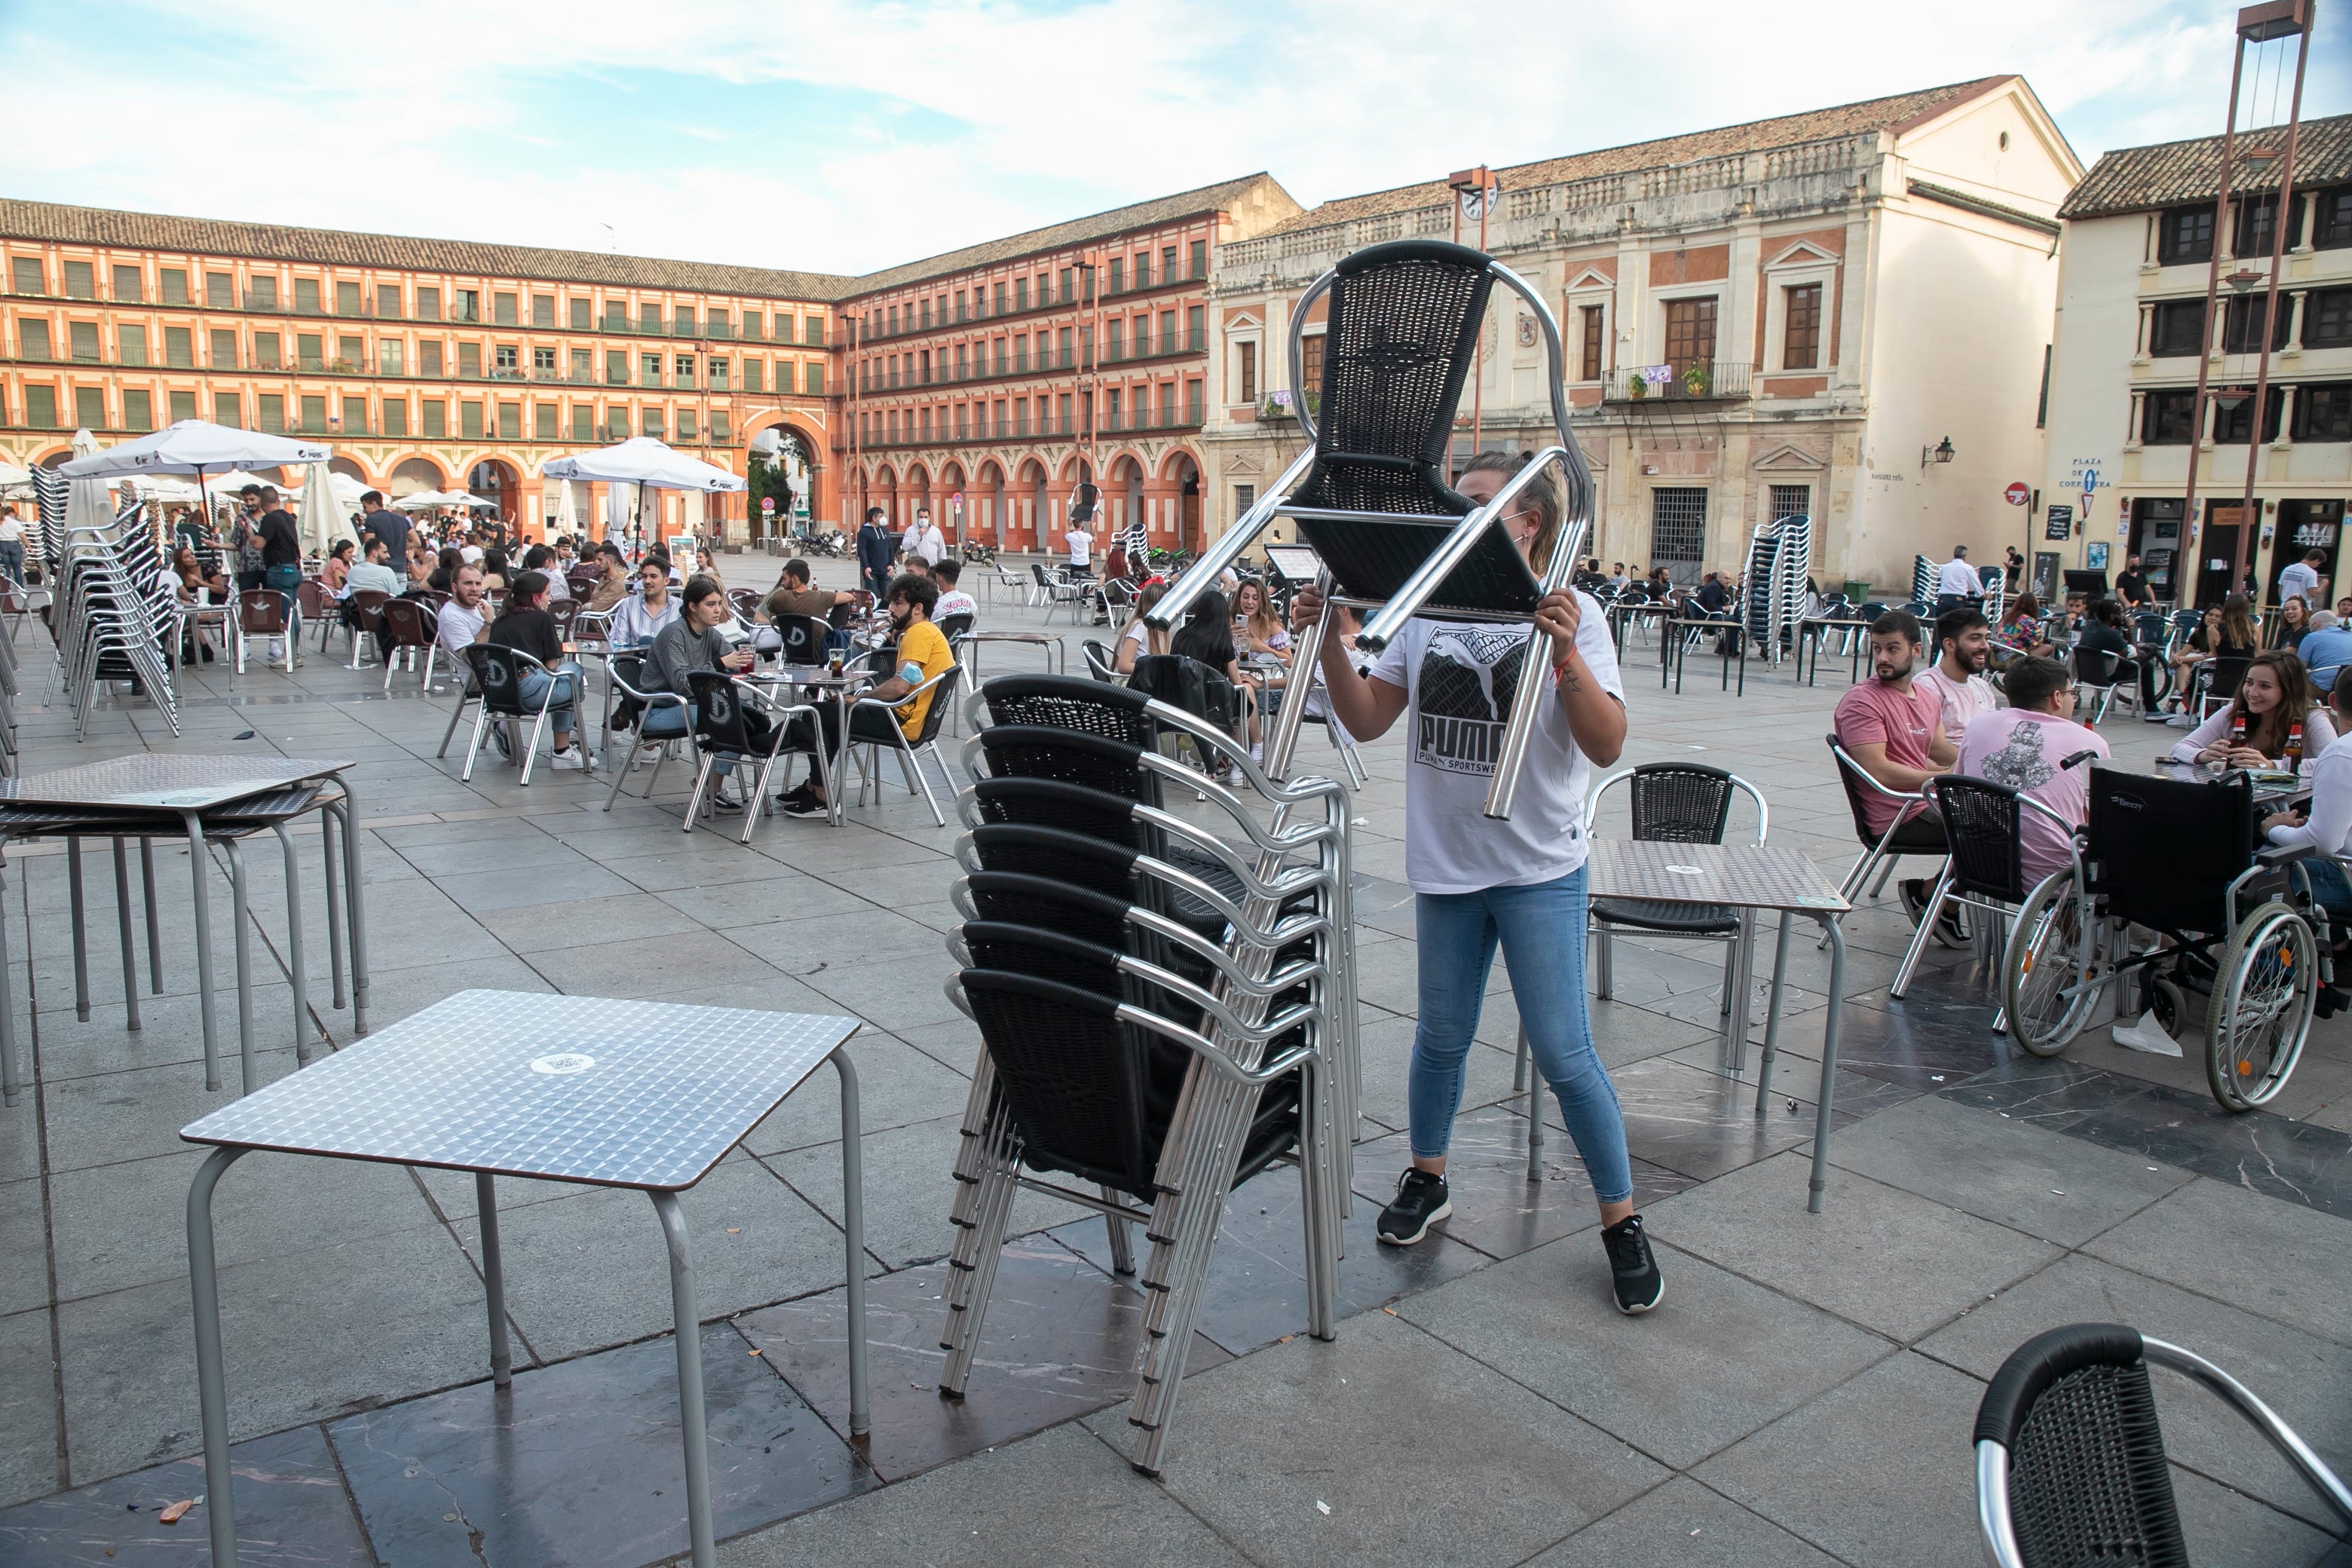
2018,494
767,503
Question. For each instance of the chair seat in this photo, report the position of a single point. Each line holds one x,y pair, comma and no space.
1684,919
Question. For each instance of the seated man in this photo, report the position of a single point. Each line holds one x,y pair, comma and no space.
2023,746
923,653
791,596
953,601
1964,644
2326,648
461,621
539,558
527,627
1895,729
636,622
613,582
373,576
687,642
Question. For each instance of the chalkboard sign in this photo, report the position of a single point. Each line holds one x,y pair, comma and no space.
2060,523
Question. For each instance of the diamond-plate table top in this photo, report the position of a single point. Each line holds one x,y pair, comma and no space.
252,811
577,1088
1750,875
166,780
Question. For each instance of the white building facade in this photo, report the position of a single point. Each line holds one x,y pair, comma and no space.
2132,323
1770,318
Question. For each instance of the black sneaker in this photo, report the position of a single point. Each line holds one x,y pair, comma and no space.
802,805
1423,1199
725,803
1915,898
1640,1285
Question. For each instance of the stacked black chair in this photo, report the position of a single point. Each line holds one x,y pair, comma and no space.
2071,1463
1163,1015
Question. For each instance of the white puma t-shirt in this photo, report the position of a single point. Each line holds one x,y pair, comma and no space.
1460,677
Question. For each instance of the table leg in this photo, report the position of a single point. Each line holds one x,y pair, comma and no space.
1772,1014
154,918
296,962
9,1091
81,937
242,924
330,825
853,1225
211,1388
129,945
1829,1065
689,1381
494,1277
355,890
204,1002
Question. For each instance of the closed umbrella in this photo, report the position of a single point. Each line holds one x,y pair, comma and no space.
322,517
87,504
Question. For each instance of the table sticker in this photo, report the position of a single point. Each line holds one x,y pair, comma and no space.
563,1063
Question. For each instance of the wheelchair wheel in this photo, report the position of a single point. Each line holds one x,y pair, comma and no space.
2049,973
2259,1013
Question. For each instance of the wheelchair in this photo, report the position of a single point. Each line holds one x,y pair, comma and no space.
2182,911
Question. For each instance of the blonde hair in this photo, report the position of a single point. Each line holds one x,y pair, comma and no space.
1541,497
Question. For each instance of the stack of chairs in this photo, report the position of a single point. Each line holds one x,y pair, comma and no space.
1164,1011
113,611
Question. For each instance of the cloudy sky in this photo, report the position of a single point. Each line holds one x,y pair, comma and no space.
840,137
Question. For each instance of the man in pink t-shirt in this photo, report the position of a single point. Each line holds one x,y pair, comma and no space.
1956,679
1895,729
2025,747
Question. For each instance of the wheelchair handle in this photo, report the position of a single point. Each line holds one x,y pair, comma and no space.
2077,760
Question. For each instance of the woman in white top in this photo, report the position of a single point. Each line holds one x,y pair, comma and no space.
1478,883
2327,828
2274,693
1138,638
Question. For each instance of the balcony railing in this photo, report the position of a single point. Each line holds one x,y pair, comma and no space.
1688,381
1114,422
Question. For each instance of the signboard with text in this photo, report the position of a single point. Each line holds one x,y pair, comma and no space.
2059,523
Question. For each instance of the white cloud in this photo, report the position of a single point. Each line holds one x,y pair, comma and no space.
838,136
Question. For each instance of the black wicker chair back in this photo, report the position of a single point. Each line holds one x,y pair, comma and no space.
1983,822
1072,702
1401,337
720,722
1073,756
955,625
1187,684
803,637
2088,1481
499,671
1680,802
2163,851
407,623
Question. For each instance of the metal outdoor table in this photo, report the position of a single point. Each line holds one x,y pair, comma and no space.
1057,656
1812,630
1754,877
1720,624
165,792
1624,610
569,1089
840,688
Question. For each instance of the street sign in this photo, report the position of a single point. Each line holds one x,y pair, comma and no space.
2017,494
767,503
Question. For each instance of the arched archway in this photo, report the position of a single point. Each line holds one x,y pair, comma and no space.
793,460
498,482
918,496
1126,501
1179,472
991,518
884,494
412,474
1035,523
349,467
954,515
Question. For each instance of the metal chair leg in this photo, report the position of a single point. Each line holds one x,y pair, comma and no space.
1919,938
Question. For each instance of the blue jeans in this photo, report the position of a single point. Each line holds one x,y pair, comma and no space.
2331,888
12,560
1542,928
533,684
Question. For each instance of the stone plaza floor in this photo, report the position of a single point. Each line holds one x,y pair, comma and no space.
1803,1396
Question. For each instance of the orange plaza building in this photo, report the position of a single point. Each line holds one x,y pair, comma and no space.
426,363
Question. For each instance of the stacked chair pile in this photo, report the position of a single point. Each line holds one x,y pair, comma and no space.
1165,1012
113,611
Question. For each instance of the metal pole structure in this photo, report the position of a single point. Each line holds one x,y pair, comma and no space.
1482,181
2281,217
2212,293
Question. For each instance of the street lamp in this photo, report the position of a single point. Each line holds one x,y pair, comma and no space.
1941,453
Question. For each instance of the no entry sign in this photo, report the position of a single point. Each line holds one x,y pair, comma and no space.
2017,494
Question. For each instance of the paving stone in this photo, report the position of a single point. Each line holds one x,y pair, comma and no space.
2280,1259
29,1454
1261,1442
1683,1525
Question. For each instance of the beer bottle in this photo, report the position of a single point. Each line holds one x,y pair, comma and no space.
2237,730
2294,747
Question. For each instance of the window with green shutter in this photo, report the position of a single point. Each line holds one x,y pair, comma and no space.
306,298
509,421
174,283
755,325
311,351
41,406
718,425
542,310
272,415
437,417
814,331
138,409
617,423
220,290
685,369
649,317
755,375
129,285
265,350
81,337
347,299
89,408
314,415
581,321
180,349
387,302
390,355
354,415
183,405
686,423
223,348
81,280
32,339
395,416
469,361
131,343
683,325
469,418
263,293
350,354
543,416
653,425
583,422
721,377
428,304
650,365
27,276
428,359
502,310
616,367
816,378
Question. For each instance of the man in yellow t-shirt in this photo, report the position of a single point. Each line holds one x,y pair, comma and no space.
923,653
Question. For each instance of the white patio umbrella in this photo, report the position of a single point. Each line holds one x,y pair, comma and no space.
563,522
322,517
89,504
648,464
460,498
200,447
159,488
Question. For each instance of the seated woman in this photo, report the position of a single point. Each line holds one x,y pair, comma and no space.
2327,827
2237,636
2275,694
2294,621
2021,628
1137,637
494,570
527,627
337,567
688,643
1207,636
445,570
2202,642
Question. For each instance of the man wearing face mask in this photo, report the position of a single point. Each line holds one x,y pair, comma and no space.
923,653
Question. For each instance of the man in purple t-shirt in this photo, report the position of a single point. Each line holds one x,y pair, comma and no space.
1894,727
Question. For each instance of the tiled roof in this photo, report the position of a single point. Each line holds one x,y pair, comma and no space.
1221,197
2135,179
270,242
1896,114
